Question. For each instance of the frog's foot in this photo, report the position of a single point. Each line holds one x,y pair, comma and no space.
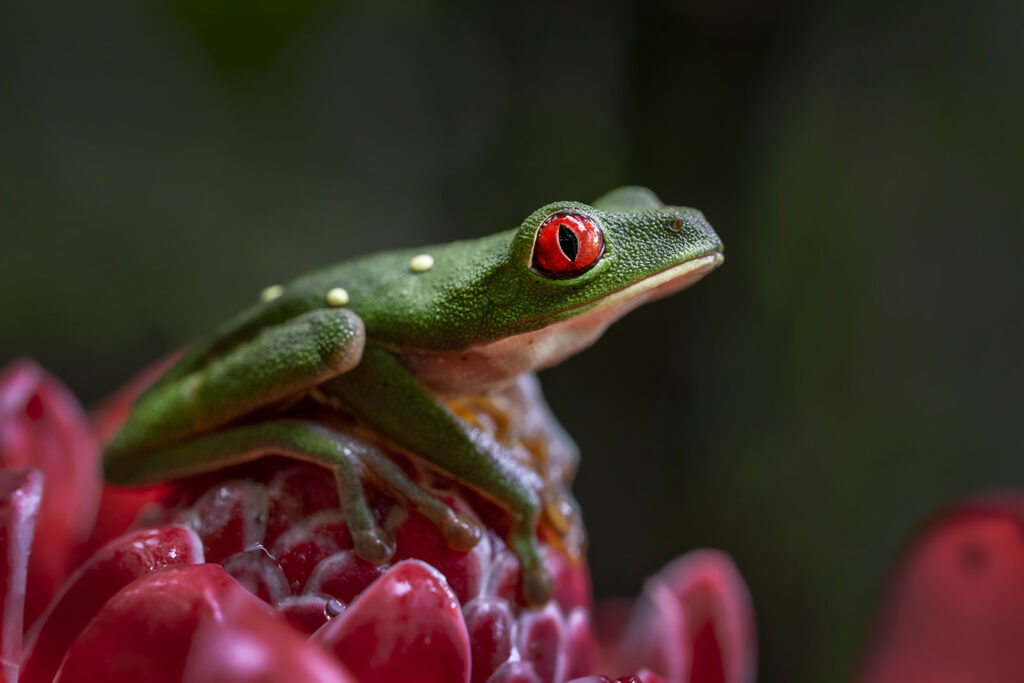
536,578
299,439
460,532
373,545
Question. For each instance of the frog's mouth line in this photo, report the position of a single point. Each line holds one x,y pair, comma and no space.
654,286
484,366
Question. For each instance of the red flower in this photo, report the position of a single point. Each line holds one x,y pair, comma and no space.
954,607
249,574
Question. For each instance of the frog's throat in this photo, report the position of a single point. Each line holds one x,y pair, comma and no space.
488,366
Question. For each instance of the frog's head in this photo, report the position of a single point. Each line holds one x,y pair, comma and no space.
571,259
572,269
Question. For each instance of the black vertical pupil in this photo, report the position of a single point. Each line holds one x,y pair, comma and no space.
568,241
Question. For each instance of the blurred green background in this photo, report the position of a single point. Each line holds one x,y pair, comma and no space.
854,365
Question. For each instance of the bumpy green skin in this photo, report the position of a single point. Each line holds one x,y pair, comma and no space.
198,415
483,290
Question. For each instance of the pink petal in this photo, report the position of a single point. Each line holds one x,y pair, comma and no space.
571,581
694,623
302,547
719,616
259,573
43,426
490,626
343,575
246,642
418,538
657,636
541,642
305,613
111,569
645,676
111,414
954,607
514,672
118,511
192,624
119,507
581,645
296,492
231,517
406,626
20,496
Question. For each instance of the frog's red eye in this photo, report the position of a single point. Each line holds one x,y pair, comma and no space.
567,245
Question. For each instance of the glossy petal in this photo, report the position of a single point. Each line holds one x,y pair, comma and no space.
490,626
582,654
192,624
115,566
259,573
230,518
21,493
244,642
111,414
954,607
43,426
305,613
417,538
542,643
120,509
719,616
406,626
644,676
514,672
694,623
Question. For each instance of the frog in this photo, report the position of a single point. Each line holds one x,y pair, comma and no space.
389,338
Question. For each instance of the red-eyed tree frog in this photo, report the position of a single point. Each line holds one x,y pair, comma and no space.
386,337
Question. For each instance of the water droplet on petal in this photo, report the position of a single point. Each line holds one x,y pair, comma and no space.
333,608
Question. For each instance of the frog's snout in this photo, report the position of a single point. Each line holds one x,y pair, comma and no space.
695,230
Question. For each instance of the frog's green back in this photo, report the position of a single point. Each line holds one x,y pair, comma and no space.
482,290
439,307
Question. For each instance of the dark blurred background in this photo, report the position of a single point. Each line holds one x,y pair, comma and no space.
854,365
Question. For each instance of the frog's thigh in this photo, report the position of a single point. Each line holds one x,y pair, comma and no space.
394,403
281,361
296,438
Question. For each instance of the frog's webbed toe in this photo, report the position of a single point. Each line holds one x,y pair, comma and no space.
537,586
460,533
373,545
536,578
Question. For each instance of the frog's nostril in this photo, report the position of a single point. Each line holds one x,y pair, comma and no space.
676,225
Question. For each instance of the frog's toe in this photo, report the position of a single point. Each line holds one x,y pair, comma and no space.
460,532
536,579
373,544
537,586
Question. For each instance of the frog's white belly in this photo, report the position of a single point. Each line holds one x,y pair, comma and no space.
489,366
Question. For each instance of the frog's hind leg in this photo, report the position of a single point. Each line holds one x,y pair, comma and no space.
295,438
279,362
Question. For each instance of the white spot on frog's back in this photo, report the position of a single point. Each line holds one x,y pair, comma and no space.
337,297
421,263
270,293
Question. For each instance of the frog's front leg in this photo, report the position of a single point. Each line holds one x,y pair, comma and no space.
389,398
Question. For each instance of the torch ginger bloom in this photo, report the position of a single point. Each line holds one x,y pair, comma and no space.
248,574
